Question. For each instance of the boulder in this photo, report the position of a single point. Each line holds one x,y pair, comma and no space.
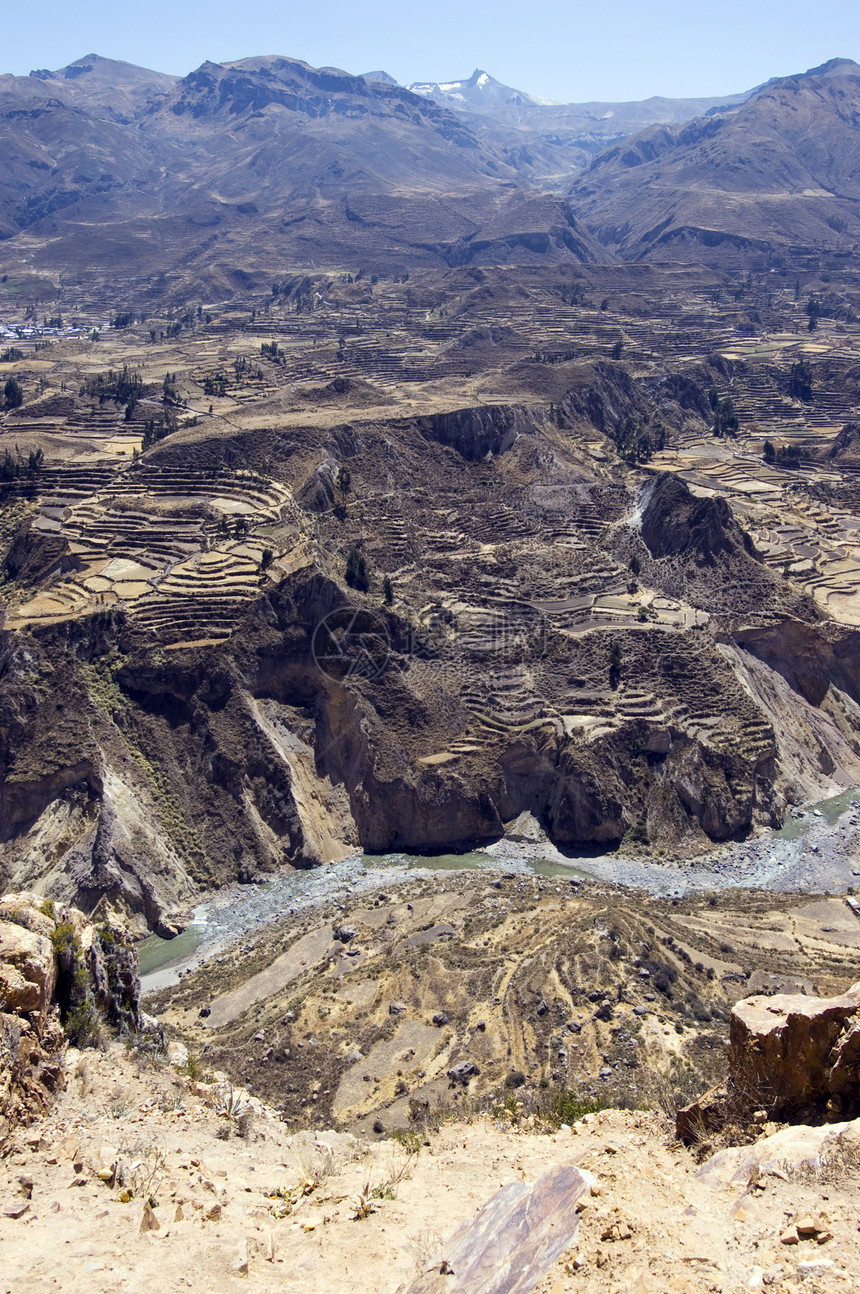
786,1151
463,1072
512,1241
28,972
797,1056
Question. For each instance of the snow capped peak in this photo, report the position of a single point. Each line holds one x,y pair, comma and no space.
480,90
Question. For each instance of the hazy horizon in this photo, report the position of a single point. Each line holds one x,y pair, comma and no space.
565,52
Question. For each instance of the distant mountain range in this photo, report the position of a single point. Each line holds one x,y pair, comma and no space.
780,171
549,139
241,168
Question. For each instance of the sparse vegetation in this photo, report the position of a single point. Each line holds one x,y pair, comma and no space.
357,571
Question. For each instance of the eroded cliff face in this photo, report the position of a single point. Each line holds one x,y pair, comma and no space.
543,627
132,777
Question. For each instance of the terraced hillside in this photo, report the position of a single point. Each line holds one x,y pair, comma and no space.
389,563
373,1013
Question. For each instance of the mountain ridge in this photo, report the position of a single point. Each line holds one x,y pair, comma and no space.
780,169
267,160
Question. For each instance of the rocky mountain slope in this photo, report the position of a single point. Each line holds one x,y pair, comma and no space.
778,171
228,174
252,164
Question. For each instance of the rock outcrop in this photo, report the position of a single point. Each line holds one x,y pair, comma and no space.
795,1148
796,1056
675,522
792,1057
60,977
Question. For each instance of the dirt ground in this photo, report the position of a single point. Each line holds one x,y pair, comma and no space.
240,1200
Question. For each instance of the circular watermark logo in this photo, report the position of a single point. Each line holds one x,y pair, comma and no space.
350,643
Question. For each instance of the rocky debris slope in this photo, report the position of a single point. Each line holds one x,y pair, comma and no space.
151,1175
61,977
432,988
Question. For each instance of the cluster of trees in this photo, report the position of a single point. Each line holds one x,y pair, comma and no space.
301,290
572,294
215,384
725,419
800,381
157,429
357,570
342,487
241,526
637,438
784,456
552,356
271,350
829,306
616,657
13,469
123,387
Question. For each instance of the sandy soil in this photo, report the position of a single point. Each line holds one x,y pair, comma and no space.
650,1224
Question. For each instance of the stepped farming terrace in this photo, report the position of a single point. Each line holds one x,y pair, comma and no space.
176,529
577,509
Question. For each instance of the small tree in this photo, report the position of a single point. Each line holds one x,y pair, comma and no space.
616,655
769,452
267,558
357,575
13,393
387,591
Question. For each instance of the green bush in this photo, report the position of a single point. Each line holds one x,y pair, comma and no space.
78,1012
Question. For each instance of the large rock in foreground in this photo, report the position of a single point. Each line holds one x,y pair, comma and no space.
797,1056
61,977
514,1239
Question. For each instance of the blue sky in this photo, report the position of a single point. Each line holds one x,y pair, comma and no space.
571,51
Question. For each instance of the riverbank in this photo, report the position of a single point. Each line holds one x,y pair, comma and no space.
816,851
